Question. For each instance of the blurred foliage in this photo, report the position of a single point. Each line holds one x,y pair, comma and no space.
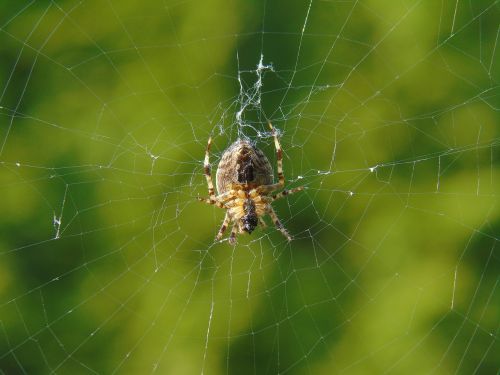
388,113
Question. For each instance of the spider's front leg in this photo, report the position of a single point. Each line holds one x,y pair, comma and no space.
277,222
223,227
232,236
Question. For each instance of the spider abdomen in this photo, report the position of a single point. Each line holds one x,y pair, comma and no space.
243,164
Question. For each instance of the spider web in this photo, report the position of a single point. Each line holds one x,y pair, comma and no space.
388,115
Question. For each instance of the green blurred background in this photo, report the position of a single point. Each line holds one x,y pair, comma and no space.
388,113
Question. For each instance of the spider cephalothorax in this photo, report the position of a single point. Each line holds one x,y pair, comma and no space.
244,187
250,220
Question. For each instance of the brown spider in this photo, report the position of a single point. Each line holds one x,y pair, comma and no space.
244,185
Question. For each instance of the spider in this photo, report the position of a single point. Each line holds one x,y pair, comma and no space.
244,187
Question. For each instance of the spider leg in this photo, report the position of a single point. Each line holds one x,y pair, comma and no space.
232,237
223,227
220,200
279,157
228,195
286,192
262,222
265,189
277,222
214,202
207,169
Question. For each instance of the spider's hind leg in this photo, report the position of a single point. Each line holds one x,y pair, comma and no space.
279,157
208,171
212,202
286,192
